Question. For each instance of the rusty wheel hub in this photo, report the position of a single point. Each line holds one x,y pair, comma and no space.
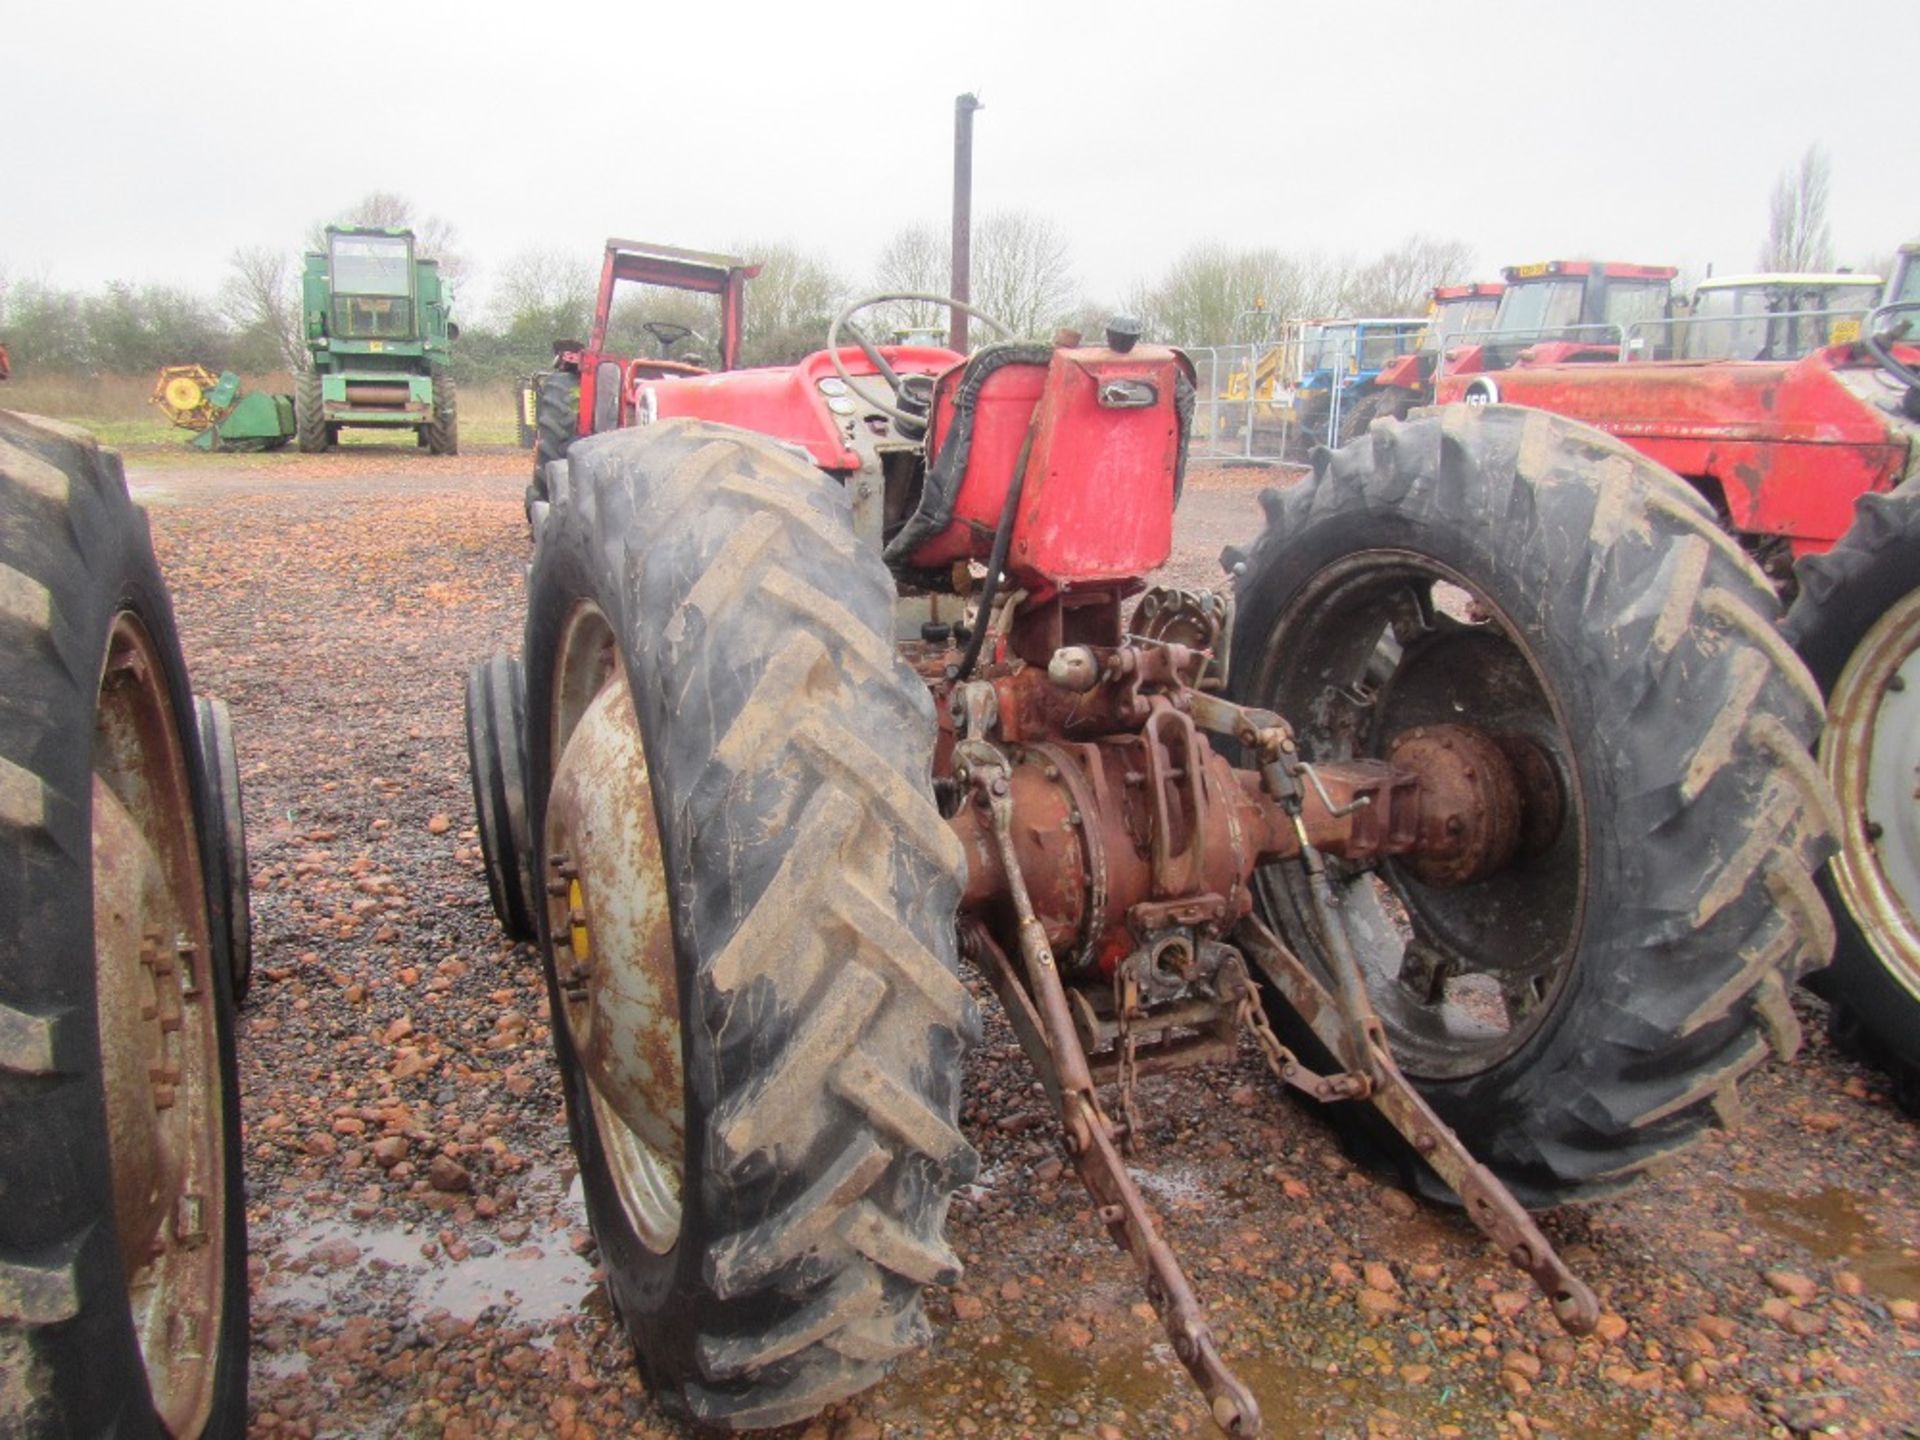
612,935
1472,936
159,1030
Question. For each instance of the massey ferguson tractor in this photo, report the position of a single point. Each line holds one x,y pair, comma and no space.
124,943
1813,465
1479,804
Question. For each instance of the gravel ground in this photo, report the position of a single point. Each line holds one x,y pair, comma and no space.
421,1264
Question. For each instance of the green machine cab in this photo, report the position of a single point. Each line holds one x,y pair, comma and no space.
378,333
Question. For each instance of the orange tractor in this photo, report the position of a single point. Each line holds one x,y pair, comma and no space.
1456,805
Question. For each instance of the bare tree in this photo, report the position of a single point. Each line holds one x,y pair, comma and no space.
261,300
789,303
915,259
1399,281
1022,271
1798,238
1215,295
553,289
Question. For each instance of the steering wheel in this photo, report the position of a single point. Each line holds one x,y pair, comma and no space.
1881,333
667,334
895,382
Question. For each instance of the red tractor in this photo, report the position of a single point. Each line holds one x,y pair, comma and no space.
1566,311
1407,382
1811,462
590,388
1454,805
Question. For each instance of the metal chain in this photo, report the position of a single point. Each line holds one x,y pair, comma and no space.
1253,1019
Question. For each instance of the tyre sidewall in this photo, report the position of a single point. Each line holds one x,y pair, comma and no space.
98,1379
569,569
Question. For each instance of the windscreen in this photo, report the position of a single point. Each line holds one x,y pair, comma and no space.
1454,318
372,265
1380,345
1905,289
1530,307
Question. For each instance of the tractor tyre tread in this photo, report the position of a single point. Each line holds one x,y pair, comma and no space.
1695,723
1842,594
443,430
311,432
814,887
74,552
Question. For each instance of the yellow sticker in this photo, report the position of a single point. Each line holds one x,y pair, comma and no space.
1844,332
376,346
1527,272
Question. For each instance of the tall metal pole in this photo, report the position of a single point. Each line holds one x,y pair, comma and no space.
963,108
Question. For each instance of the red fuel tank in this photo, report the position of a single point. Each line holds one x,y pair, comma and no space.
1097,502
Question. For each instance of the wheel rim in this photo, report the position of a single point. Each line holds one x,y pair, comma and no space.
1383,644
610,932
159,1030
1871,754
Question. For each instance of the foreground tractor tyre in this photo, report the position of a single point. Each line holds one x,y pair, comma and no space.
1588,1008
748,919
311,432
443,431
556,425
123,1286
1857,625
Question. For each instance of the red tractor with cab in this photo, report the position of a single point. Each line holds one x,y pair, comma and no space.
1477,826
1565,312
1811,459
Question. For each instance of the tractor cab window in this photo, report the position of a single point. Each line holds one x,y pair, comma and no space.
1537,309
1454,318
372,265
1905,287
1628,303
1728,323
1773,321
1381,345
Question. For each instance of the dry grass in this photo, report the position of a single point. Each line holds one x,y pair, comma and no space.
118,409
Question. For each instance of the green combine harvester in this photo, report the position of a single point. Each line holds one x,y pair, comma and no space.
377,332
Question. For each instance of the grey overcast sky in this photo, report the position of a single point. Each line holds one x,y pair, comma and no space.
145,142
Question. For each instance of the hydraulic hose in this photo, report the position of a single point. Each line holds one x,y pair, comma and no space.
997,557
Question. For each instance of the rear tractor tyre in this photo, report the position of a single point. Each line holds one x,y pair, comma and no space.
123,1284
556,425
220,763
443,431
1857,625
497,763
311,432
1589,1007
747,919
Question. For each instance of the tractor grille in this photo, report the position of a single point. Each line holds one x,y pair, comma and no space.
372,317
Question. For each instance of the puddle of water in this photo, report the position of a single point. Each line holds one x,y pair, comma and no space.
1832,1225
537,1290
